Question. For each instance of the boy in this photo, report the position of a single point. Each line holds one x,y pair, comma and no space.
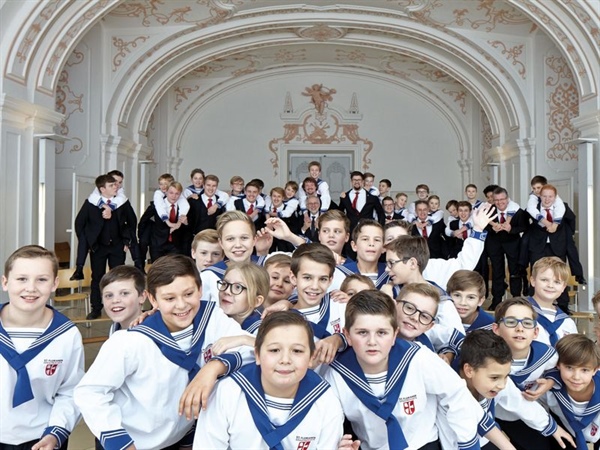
400,205
432,231
206,250
123,296
485,364
280,282
367,242
236,183
252,204
95,198
355,283
548,279
322,188
160,195
515,322
124,399
533,203
467,290
107,237
422,191
195,189
312,273
471,194
369,182
452,209
389,384
405,259
206,206
458,230
575,397
41,356
435,213
388,208
385,187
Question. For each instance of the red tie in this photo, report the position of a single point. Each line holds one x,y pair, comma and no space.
108,202
355,201
465,234
548,215
172,219
209,204
274,208
389,217
250,210
424,229
502,219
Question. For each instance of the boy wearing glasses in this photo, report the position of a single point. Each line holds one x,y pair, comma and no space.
406,257
516,323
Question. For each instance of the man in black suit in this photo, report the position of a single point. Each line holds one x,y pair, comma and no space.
310,228
503,241
358,204
434,232
108,237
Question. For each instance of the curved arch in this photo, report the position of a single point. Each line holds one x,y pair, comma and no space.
445,110
501,99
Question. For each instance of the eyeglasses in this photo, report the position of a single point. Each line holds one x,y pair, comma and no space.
512,322
410,309
235,288
392,262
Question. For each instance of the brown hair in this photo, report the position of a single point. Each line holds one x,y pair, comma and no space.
411,247
372,303
482,345
549,187
313,252
464,204
422,186
314,163
124,273
166,176
279,190
211,177
293,185
362,223
596,299
424,289
278,260
356,277
284,319
102,180
177,185
195,171
31,252
462,280
578,350
166,268
500,311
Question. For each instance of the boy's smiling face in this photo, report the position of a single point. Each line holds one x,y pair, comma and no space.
488,380
312,281
178,302
409,324
122,302
547,287
30,283
467,301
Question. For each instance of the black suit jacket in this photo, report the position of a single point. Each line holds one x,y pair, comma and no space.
538,236
435,240
372,204
89,224
455,244
519,223
198,217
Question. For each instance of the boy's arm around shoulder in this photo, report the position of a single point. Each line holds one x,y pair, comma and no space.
65,415
213,425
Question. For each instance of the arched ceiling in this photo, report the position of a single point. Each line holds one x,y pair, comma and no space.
479,48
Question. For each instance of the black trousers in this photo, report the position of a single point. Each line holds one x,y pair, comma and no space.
523,437
28,445
113,255
497,254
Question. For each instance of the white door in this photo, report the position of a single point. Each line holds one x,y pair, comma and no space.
335,168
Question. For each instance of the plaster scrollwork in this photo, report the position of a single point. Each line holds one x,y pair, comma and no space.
182,94
124,48
67,103
459,97
562,107
512,54
321,125
321,33
38,24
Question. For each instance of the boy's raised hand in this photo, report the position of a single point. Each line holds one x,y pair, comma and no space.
139,319
543,386
483,216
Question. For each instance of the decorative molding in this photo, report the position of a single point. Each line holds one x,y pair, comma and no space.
460,97
68,103
182,94
512,54
321,33
562,105
123,48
